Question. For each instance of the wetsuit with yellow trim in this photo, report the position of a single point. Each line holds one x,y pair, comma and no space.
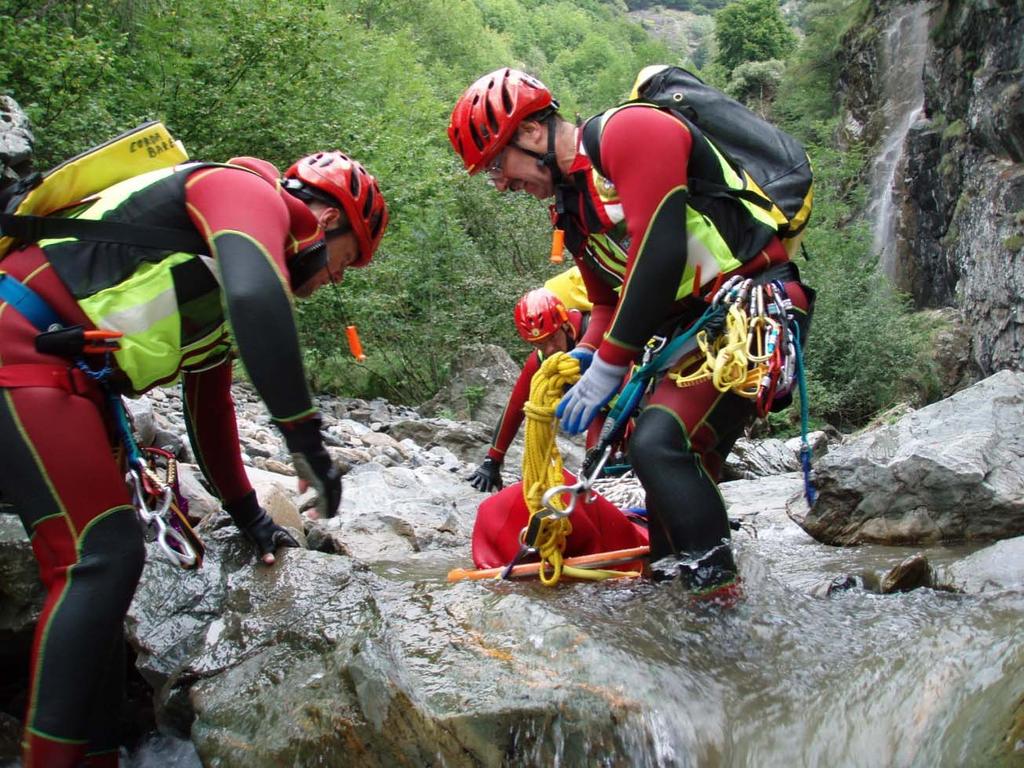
182,314
645,246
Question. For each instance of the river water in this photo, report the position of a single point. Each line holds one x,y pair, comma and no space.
925,678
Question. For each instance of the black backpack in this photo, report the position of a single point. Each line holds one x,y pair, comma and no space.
774,166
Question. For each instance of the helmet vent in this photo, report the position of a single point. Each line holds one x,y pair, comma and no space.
375,221
492,121
506,99
475,136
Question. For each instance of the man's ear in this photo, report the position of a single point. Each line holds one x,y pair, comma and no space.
328,216
531,135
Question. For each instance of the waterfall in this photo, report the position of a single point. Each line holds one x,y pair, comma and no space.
904,47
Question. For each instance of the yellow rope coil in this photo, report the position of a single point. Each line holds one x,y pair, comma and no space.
542,467
729,362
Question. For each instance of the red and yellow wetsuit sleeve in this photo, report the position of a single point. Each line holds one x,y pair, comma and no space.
512,417
248,227
653,195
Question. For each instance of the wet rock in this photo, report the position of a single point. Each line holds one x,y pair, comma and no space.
760,458
142,418
845,582
467,441
482,377
913,573
952,471
21,593
280,506
997,568
200,501
16,141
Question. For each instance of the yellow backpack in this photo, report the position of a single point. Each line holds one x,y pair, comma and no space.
26,204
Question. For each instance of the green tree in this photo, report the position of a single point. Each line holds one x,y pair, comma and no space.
755,83
751,30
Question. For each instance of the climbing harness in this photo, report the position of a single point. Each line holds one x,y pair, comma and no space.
754,356
157,502
759,356
154,499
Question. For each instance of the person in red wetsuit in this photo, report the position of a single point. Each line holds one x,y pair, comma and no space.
543,322
638,237
262,239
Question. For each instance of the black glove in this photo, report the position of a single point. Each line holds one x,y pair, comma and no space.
487,476
258,526
313,464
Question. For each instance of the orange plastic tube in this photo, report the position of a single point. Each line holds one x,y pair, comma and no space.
599,560
557,246
354,345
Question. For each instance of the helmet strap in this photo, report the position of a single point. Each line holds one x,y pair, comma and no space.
547,160
306,263
550,160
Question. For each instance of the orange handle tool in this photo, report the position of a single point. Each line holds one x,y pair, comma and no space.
354,345
557,246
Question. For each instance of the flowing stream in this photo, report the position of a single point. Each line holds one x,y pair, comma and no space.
925,678
904,47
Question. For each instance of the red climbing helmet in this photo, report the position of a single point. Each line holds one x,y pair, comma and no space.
539,314
487,115
347,182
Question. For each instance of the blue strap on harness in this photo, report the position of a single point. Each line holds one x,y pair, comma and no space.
629,398
28,303
810,492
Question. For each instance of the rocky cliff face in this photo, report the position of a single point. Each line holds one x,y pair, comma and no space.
958,190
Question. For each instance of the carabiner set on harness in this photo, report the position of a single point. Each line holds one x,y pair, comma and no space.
176,538
159,505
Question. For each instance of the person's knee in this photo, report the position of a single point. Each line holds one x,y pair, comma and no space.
112,554
657,441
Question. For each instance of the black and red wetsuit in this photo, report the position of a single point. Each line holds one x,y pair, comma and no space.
512,417
684,434
58,471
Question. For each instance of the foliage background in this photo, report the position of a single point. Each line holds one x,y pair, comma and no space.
377,78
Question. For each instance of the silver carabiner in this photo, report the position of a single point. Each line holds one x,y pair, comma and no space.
185,558
581,488
547,500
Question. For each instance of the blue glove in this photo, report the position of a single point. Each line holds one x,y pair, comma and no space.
584,355
590,394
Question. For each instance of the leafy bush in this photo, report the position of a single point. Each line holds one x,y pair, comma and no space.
377,78
867,349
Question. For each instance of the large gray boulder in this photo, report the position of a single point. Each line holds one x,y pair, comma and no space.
482,377
952,471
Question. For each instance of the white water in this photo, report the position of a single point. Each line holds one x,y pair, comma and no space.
904,47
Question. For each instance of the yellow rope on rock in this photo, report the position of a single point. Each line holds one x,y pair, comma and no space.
542,468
